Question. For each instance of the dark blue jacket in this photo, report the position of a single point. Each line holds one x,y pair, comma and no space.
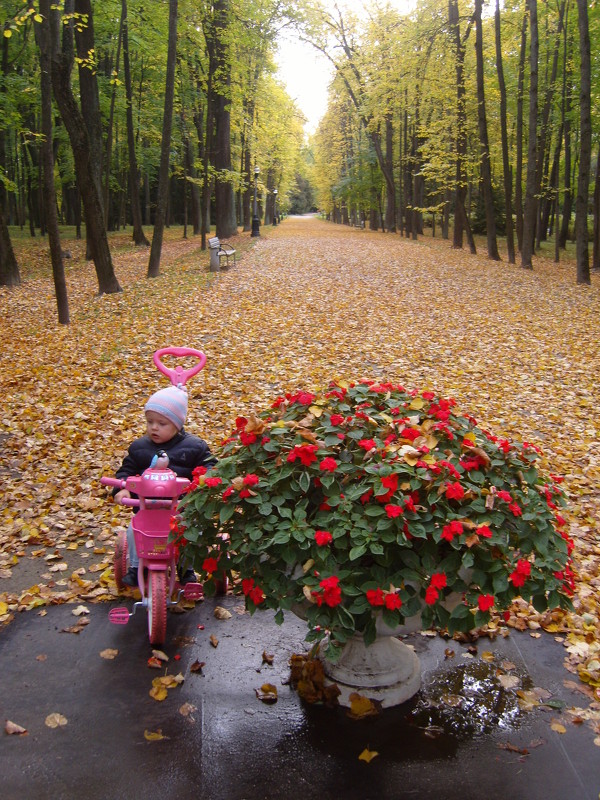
185,451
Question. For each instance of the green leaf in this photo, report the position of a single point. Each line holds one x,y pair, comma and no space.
226,513
357,552
304,481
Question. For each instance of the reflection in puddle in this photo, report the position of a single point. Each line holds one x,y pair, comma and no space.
468,700
456,703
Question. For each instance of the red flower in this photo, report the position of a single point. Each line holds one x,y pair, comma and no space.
245,493
503,495
251,479
454,491
393,510
323,538
431,595
393,601
485,601
451,530
336,419
367,444
305,452
211,482
328,465
364,498
524,567
210,565
439,580
517,578
484,531
375,597
304,398
247,438
409,504
247,584
228,492
389,482
521,573
411,434
331,593
515,509
257,595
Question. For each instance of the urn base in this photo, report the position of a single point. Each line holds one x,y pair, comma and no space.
388,671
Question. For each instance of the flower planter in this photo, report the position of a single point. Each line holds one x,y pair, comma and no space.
395,505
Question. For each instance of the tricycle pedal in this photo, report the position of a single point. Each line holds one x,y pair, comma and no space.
193,591
119,616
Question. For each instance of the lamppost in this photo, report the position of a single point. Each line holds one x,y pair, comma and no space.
255,219
275,193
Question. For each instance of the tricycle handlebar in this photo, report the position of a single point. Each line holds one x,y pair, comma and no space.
113,482
179,376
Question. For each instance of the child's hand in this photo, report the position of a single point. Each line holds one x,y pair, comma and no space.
119,497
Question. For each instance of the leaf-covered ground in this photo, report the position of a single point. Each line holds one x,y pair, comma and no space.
309,301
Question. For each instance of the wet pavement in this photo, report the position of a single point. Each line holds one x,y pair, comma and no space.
463,736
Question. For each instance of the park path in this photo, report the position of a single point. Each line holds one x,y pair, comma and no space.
307,302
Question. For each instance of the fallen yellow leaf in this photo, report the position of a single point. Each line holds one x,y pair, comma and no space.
154,736
368,755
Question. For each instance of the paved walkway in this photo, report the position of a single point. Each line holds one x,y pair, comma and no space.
462,738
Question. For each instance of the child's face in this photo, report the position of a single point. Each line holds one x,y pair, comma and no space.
159,428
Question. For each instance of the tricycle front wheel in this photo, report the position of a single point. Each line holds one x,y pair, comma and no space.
157,606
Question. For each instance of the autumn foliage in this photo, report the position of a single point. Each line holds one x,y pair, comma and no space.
310,302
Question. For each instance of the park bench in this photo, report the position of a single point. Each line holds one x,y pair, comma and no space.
219,250
360,224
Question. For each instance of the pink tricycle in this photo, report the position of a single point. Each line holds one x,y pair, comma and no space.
158,490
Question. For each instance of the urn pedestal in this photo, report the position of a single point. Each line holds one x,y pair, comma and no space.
388,671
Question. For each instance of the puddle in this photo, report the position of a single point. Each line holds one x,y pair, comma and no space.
457,703
469,700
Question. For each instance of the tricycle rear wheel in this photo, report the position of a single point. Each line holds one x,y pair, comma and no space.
120,560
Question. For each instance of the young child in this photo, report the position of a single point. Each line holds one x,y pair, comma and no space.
165,414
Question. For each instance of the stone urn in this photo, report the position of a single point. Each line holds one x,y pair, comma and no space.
388,670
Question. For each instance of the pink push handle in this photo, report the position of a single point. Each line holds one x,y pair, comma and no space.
179,376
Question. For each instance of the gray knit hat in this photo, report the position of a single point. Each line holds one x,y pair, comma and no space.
172,403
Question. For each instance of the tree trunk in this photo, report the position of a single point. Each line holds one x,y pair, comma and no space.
390,196
89,97
530,211
226,223
519,135
139,237
543,146
9,269
563,234
62,64
510,238
585,147
111,116
486,170
165,150
596,245
461,222
58,271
